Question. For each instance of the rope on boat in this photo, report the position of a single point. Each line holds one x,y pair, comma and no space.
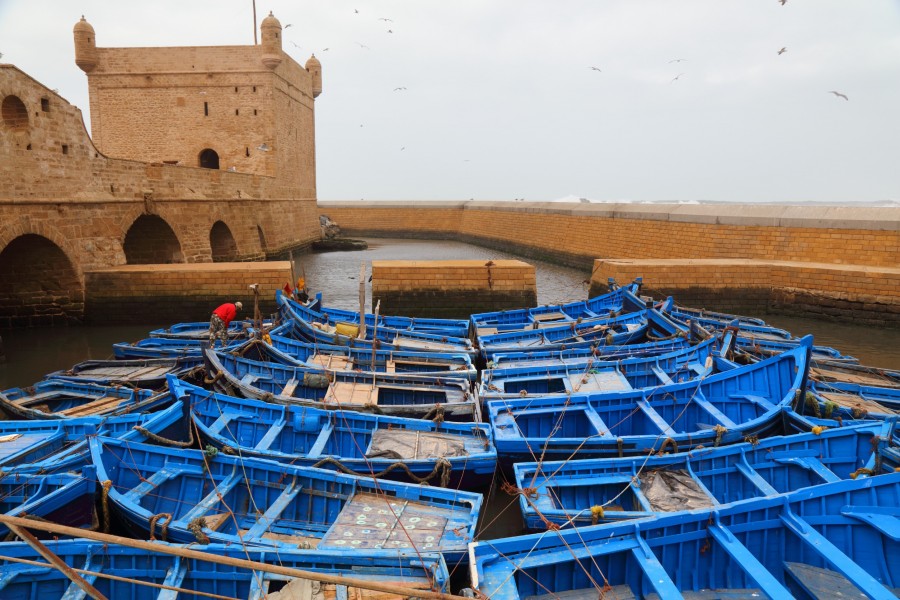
196,527
620,444
104,503
676,335
818,429
163,528
212,380
442,469
859,412
436,414
596,514
812,404
666,443
861,471
753,440
166,441
830,407
720,431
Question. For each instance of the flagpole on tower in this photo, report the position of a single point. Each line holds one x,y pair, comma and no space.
254,24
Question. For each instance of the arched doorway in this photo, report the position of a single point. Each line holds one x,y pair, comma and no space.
15,114
209,159
38,284
150,240
221,243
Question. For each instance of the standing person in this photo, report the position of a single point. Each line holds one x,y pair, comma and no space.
218,323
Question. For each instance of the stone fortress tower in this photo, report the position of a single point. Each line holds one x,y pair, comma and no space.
248,109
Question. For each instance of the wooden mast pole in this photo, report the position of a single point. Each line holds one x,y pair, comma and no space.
255,41
225,560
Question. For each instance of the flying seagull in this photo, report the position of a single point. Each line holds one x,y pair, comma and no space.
263,147
390,31
385,20
295,44
677,60
596,69
782,51
839,95
288,25
363,46
355,11
324,49
403,148
399,89
783,2
674,79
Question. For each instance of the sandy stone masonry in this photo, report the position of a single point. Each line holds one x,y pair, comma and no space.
68,203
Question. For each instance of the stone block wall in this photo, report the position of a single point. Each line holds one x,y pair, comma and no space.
179,292
451,288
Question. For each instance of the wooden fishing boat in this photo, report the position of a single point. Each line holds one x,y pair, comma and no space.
62,399
53,446
159,347
448,327
137,569
147,373
622,329
687,312
403,449
835,373
343,358
207,497
199,330
720,409
64,498
313,326
836,540
849,401
393,394
537,358
489,323
600,375
585,492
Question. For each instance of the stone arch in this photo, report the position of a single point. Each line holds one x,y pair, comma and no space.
263,245
150,240
209,158
222,244
39,284
15,113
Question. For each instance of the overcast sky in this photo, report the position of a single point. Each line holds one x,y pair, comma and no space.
501,101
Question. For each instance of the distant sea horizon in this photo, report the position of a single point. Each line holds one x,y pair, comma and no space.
582,200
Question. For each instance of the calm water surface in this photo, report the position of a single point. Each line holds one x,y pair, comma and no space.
31,353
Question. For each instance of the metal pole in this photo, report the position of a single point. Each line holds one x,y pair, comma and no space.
255,42
362,302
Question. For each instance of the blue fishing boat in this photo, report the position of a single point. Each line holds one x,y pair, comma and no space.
551,315
182,577
585,492
315,327
189,496
537,358
448,327
63,399
199,330
836,540
850,401
383,393
147,373
63,498
283,348
600,375
160,347
835,373
720,409
687,312
53,446
393,447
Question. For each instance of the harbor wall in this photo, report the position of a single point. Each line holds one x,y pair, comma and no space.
864,242
451,288
154,293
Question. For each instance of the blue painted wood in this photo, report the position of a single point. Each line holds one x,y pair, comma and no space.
22,582
147,373
305,435
63,399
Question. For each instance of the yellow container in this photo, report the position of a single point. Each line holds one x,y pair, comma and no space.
346,329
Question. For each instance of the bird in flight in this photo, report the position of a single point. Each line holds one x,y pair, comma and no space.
403,148
363,46
355,11
677,60
399,89
288,25
324,49
674,79
783,2
782,51
390,31
839,95
595,69
385,20
295,44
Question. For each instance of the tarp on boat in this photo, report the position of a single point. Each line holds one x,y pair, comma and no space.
670,490
406,444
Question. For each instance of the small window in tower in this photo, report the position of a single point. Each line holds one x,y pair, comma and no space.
247,151
235,89
65,148
45,104
254,112
237,112
28,147
206,109
254,89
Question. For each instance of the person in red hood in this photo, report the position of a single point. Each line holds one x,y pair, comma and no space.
218,323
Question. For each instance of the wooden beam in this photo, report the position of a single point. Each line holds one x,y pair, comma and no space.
241,563
54,560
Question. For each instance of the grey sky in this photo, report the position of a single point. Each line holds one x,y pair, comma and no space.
501,102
